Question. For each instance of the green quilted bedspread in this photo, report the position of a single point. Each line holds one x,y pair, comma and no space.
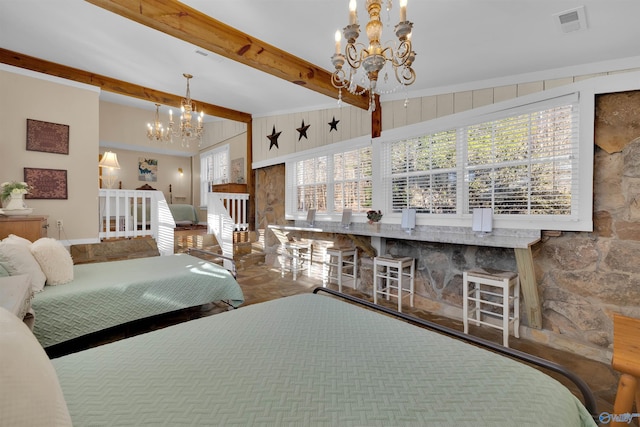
307,360
107,294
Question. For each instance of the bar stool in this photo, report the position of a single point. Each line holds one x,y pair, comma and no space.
339,262
486,288
296,255
389,275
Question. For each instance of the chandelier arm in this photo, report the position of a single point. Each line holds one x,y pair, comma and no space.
403,78
402,54
353,57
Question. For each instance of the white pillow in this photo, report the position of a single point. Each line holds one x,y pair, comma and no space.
12,238
54,259
30,394
16,258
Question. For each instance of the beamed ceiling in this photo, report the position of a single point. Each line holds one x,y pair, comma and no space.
267,57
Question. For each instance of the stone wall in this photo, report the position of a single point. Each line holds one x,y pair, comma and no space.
582,277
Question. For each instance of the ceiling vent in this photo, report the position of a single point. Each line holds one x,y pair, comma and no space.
571,20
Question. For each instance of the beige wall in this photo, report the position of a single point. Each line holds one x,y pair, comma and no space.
51,100
167,175
123,131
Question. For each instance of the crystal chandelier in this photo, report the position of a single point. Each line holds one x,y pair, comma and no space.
188,132
375,56
157,132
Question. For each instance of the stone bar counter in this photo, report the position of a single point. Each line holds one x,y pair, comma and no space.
519,240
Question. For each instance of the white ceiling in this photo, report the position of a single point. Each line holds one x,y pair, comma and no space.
460,45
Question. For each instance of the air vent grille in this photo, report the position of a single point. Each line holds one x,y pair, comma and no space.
571,20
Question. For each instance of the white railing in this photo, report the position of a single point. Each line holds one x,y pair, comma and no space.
221,225
237,205
136,213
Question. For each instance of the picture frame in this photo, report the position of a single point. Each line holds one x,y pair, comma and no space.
147,169
47,137
46,183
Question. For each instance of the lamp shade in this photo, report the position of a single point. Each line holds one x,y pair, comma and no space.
109,160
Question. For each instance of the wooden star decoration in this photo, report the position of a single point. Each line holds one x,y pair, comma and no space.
302,130
334,124
273,138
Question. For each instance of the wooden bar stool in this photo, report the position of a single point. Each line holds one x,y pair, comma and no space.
339,262
626,359
483,289
389,275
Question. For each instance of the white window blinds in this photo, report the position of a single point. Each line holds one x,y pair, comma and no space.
352,180
519,162
214,169
523,164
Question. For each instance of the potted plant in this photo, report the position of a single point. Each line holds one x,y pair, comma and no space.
14,192
374,217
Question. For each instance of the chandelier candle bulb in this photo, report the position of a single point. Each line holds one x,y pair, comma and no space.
403,10
338,37
353,16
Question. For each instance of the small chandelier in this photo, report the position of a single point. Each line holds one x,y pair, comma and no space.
374,57
157,132
188,132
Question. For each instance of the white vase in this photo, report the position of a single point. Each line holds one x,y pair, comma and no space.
16,201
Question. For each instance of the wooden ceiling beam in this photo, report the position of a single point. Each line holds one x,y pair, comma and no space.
188,24
116,86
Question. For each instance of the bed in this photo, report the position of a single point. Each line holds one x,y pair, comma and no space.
107,294
183,214
307,360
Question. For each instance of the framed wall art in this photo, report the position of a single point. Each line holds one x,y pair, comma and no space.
147,169
46,183
47,137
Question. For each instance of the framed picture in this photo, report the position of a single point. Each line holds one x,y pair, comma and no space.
46,183
47,137
147,169
237,170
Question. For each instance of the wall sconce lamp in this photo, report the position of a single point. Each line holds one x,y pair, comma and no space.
109,160
180,171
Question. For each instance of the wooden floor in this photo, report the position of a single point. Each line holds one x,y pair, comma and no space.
260,284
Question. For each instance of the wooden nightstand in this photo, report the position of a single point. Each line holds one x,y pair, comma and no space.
31,227
15,296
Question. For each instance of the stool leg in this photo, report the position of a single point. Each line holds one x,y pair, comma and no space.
325,269
400,277
412,283
477,305
294,263
465,303
355,269
516,309
505,313
375,282
627,388
339,272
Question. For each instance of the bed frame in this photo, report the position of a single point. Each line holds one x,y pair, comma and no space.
587,395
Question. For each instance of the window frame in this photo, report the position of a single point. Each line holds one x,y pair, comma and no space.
581,221
213,154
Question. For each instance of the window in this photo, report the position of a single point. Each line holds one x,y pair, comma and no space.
311,184
352,184
332,181
523,165
422,173
214,169
519,162
523,161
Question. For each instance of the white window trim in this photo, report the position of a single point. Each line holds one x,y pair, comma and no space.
204,184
